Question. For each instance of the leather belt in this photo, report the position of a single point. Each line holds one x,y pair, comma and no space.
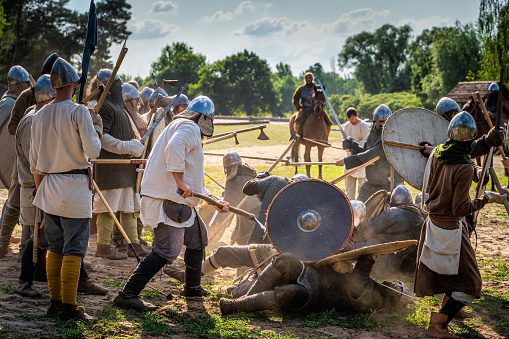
86,171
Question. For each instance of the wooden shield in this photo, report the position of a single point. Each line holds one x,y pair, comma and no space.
376,204
310,219
374,250
8,143
414,126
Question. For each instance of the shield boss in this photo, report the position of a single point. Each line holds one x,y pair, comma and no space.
414,126
310,219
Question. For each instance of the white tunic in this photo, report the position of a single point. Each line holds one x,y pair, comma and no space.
359,133
63,138
178,149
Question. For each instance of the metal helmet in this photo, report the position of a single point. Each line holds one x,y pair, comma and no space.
153,98
418,199
182,100
359,211
104,75
445,105
381,113
493,88
231,158
462,127
298,177
43,90
48,64
16,75
146,93
63,74
130,92
401,195
203,105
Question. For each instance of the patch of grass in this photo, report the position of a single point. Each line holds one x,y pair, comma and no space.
332,318
153,324
4,329
71,329
29,317
9,288
422,310
496,303
494,269
119,282
151,294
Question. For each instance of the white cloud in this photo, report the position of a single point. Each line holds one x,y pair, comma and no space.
163,6
267,26
218,16
151,29
363,19
418,25
244,7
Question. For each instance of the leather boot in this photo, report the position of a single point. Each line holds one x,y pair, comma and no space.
140,250
87,286
256,302
192,288
129,298
54,307
438,326
25,289
175,274
105,251
268,279
461,314
73,312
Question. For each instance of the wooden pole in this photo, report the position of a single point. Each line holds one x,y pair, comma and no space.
119,161
321,143
282,156
139,175
392,178
356,169
214,180
403,144
230,217
242,156
221,138
310,163
488,119
91,95
261,127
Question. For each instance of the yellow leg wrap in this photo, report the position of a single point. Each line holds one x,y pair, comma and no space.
53,269
105,225
129,222
71,265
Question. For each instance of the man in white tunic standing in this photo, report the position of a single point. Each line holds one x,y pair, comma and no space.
63,138
359,131
176,162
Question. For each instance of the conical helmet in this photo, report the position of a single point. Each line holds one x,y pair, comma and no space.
63,74
43,90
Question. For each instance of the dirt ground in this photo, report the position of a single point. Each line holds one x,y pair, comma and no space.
200,318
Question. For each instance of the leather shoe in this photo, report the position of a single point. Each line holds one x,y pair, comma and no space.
88,286
133,302
25,289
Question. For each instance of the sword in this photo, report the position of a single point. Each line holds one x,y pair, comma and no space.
395,290
213,218
332,109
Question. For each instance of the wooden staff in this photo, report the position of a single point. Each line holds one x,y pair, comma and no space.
214,180
321,144
403,144
392,178
488,119
229,218
499,187
153,110
282,155
242,156
261,127
114,217
119,161
356,169
221,138
481,186
309,163
121,56
31,79
89,97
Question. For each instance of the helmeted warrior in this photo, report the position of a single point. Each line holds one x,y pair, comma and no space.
180,104
401,221
302,101
117,182
63,181
176,162
165,101
145,94
378,174
456,273
17,81
492,99
44,94
133,100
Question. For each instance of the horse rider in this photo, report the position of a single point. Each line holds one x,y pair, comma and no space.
302,101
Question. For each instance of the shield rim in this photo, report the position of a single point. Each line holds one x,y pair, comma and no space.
385,146
352,227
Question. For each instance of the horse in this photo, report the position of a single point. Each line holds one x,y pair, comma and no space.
313,128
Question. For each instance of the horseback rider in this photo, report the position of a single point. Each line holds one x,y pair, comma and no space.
303,100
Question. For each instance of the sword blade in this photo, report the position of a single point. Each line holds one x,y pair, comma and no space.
395,290
333,112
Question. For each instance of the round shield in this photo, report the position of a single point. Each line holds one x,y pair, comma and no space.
412,127
376,204
8,143
373,250
310,219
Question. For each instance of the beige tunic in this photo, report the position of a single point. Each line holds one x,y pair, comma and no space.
63,138
359,133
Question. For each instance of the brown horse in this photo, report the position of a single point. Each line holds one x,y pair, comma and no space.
313,128
475,110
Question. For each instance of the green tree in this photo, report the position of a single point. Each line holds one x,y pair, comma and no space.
3,20
239,84
494,28
283,70
284,88
177,61
378,58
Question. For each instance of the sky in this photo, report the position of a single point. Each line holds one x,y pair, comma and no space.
299,33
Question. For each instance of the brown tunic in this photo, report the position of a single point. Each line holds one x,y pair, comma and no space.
448,202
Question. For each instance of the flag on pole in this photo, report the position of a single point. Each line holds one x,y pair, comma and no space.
88,50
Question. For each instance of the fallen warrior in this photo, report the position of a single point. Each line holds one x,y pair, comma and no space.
292,285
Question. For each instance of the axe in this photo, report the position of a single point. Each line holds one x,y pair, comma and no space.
172,83
262,135
235,210
223,137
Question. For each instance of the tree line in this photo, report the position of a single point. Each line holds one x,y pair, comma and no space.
415,69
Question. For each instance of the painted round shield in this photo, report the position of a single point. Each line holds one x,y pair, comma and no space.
8,143
412,126
311,219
